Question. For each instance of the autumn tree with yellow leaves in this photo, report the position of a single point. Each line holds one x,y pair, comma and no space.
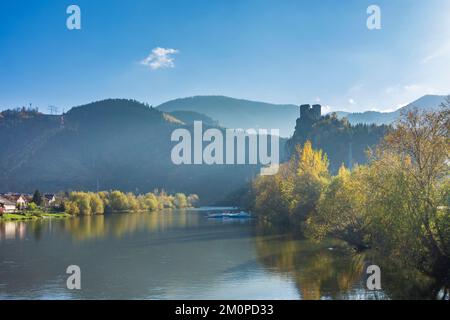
291,195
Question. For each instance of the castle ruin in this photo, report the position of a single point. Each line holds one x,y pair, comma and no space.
310,113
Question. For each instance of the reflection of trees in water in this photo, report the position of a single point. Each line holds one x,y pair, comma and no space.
118,225
403,283
85,228
37,228
318,271
338,273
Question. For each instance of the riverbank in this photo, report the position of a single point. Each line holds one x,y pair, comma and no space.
35,215
40,214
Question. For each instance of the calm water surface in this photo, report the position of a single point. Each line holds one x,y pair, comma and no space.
175,255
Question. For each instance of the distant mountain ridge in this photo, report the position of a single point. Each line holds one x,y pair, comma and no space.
240,113
427,102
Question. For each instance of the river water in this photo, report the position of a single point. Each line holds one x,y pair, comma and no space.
180,255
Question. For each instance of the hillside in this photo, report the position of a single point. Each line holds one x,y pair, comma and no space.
343,142
188,117
239,113
110,144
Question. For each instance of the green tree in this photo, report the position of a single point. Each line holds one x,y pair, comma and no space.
166,200
96,203
311,178
292,194
341,210
71,207
409,172
32,206
37,198
151,201
132,202
118,201
180,200
83,202
269,202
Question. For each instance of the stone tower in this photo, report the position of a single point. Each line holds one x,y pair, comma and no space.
310,113
316,111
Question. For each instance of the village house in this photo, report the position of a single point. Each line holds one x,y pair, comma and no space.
49,199
6,206
21,200
11,202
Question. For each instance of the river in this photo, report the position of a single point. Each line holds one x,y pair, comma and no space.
180,254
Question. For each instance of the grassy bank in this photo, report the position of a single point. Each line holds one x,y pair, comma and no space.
33,216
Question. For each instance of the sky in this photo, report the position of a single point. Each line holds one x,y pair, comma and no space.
279,51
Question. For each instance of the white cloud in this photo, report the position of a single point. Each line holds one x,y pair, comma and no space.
160,58
439,53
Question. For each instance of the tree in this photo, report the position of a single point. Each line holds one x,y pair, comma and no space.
341,210
71,208
96,203
32,206
292,194
193,200
269,203
409,175
310,179
37,198
83,202
132,203
166,200
118,201
150,202
180,200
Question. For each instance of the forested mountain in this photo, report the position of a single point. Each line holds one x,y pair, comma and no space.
239,113
343,142
110,144
188,117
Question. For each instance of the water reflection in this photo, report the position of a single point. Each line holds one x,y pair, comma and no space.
332,270
184,255
12,231
321,271
99,227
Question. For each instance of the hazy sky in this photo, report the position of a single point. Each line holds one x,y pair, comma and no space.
274,51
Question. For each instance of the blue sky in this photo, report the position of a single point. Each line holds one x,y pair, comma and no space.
274,51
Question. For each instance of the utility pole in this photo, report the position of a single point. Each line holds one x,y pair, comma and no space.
53,110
